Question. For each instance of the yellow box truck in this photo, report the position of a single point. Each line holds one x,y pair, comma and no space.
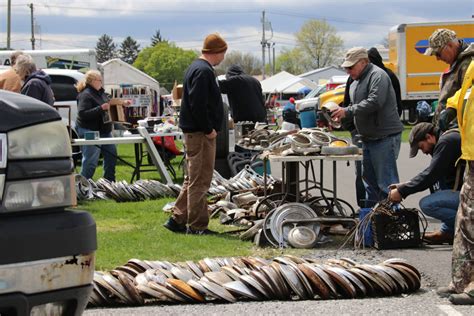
419,75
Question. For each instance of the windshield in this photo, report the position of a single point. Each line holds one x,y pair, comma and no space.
316,92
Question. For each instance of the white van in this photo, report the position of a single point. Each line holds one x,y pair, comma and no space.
60,58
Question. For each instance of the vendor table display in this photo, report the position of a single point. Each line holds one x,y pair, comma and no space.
143,138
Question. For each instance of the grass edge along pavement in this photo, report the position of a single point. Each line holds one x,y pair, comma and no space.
134,229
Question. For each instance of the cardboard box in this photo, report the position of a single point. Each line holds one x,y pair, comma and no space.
177,92
116,101
116,112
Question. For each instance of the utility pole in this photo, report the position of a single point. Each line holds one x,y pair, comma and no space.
269,58
274,68
32,28
9,22
264,43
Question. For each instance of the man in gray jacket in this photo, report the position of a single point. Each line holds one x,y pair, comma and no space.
373,109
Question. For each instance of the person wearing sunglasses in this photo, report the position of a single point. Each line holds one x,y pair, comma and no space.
445,46
373,111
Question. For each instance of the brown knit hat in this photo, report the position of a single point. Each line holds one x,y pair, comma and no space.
214,44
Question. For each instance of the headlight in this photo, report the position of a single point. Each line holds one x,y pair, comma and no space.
48,140
39,194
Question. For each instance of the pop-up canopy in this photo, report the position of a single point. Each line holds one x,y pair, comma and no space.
118,72
284,82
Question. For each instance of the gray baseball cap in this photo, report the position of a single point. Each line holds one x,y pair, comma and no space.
438,40
353,55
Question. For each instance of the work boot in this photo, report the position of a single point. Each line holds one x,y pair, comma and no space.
438,238
461,299
173,226
445,291
206,231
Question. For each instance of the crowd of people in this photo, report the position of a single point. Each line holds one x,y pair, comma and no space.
371,112
92,114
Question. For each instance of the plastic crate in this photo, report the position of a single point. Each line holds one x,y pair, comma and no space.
399,230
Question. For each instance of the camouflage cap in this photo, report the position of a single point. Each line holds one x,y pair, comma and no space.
438,40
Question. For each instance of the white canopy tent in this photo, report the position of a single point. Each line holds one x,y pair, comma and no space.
284,82
118,72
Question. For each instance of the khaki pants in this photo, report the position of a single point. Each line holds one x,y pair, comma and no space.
191,205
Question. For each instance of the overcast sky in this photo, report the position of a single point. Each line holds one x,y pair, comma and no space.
78,24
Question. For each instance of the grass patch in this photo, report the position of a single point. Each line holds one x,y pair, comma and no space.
405,133
134,230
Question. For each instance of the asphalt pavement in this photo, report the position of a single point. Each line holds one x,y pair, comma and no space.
434,263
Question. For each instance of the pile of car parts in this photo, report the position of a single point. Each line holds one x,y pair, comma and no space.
250,278
246,179
121,191
308,141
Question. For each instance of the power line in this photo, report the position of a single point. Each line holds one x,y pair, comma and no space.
102,9
329,18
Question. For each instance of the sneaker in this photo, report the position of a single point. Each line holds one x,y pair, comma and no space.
206,231
461,299
173,226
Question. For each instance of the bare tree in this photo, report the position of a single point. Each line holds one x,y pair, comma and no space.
249,63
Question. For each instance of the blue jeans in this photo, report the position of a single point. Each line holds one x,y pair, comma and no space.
442,205
379,167
91,154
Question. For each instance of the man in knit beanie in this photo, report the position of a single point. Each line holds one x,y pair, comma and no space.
200,119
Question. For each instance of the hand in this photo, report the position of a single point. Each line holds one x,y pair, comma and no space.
105,106
212,134
127,102
338,114
395,196
393,186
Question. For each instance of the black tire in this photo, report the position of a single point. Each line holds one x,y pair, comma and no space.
273,201
341,207
412,117
222,139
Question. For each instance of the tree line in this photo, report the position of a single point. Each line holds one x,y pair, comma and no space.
317,46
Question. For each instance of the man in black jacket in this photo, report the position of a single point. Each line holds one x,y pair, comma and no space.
245,95
200,119
439,177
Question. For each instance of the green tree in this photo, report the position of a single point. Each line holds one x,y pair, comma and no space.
129,50
318,40
157,38
165,62
293,61
249,63
105,48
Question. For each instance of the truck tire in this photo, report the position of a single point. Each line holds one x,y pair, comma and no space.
412,116
222,139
